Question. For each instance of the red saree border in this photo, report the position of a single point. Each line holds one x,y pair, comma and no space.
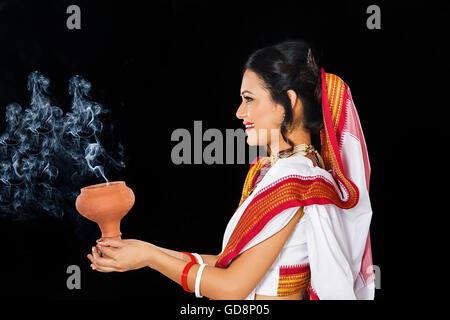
293,269
251,177
333,105
284,193
329,84
293,279
313,294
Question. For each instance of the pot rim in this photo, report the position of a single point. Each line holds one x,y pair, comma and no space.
104,185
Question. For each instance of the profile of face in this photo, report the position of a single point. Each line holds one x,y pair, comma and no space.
261,116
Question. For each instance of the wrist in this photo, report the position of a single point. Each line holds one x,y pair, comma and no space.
152,254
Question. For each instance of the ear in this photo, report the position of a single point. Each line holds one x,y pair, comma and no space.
293,97
297,106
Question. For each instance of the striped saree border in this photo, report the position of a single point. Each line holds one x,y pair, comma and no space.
287,192
293,279
333,103
251,176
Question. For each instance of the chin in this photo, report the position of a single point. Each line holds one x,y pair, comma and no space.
252,140
258,137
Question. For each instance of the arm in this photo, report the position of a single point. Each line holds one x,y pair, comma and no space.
239,279
233,283
209,259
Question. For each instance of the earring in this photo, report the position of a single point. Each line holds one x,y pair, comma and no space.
289,128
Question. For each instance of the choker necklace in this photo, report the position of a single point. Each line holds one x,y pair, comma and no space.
302,149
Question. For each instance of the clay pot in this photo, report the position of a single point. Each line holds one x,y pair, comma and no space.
106,204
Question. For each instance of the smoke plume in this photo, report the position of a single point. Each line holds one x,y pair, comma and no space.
46,156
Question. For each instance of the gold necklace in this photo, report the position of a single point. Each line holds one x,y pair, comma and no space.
302,149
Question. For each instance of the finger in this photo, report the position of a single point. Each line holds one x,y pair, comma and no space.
104,269
100,241
108,242
99,268
102,261
91,258
109,251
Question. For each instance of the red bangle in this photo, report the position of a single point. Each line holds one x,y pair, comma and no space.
184,275
190,255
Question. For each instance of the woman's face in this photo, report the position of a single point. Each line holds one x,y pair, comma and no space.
261,116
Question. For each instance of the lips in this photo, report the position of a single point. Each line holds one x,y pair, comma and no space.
249,125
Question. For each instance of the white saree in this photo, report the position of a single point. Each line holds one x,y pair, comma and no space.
332,244
328,255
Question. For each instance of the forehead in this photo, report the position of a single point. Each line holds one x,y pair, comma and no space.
251,82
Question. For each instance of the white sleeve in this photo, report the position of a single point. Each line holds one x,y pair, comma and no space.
273,226
331,273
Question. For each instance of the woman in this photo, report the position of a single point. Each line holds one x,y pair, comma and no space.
301,228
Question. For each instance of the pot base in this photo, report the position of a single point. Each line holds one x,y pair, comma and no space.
118,237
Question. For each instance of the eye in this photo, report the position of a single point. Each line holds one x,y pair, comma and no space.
248,99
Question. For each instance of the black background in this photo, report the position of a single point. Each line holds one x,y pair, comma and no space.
162,65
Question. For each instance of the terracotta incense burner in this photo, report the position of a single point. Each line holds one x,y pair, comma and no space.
106,204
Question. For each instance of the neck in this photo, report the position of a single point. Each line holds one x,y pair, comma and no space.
297,137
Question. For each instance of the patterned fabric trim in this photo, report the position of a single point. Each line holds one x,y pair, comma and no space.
252,175
287,192
334,122
293,279
313,294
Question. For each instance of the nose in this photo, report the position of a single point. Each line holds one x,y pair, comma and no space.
241,112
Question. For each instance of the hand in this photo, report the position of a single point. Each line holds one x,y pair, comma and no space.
112,255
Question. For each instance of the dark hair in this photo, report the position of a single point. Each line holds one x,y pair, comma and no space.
291,64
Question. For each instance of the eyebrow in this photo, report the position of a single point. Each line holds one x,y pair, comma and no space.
246,91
